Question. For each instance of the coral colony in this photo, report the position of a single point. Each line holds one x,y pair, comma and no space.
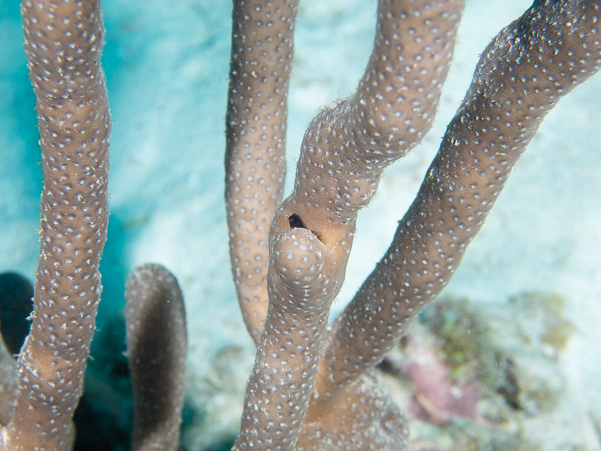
313,387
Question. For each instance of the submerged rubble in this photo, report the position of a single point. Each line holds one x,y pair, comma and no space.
474,376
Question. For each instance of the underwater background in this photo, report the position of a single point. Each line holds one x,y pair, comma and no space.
531,278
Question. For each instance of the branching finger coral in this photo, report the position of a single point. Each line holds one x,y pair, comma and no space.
520,77
313,385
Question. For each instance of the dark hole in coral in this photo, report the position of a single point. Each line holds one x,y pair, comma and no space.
295,222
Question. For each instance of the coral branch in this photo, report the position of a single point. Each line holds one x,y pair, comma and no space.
256,140
156,347
63,41
280,385
348,145
522,74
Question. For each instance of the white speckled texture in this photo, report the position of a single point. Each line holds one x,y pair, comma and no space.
63,43
256,143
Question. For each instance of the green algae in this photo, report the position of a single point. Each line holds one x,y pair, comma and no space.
463,338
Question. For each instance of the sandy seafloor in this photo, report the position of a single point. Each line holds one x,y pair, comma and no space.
167,64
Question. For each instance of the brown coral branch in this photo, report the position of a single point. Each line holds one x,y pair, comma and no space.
523,73
156,347
255,164
63,40
280,385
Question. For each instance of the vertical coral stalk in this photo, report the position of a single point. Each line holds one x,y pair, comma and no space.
156,347
280,385
261,61
63,41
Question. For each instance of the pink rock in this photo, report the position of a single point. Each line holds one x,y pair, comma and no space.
437,397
